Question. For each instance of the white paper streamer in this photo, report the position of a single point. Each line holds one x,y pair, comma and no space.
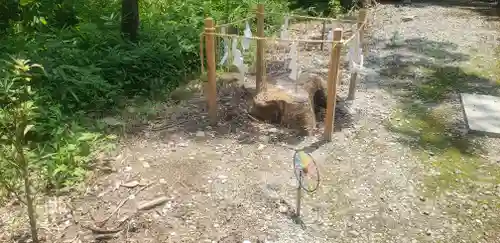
355,55
238,58
238,61
225,41
284,30
245,43
330,35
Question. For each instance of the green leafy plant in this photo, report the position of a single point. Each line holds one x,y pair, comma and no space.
17,119
335,8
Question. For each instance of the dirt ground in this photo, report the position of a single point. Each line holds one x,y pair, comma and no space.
400,168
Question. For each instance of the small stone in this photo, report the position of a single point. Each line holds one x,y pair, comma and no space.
200,134
163,181
354,233
422,199
273,130
146,165
127,169
283,209
130,184
408,18
428,232
261,147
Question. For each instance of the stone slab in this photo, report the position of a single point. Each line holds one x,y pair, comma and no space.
482,113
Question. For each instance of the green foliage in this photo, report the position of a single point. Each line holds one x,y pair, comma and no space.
335,7
37,137
90,69
16,121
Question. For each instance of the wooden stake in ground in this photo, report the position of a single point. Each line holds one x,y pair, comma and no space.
260,79
211,87
363,13
357,41
323,30
333,77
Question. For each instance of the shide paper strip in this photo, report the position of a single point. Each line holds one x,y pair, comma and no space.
225,42
245,43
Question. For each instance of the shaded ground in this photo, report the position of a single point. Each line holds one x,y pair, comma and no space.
404,170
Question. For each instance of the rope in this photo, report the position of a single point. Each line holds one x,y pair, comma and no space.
276,38
356,32
233,23
313,18
341,42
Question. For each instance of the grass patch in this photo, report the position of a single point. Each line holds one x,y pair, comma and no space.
484,67
456,174
439,82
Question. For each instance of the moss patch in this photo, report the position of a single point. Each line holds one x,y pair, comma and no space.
456,175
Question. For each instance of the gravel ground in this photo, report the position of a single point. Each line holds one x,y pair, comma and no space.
379,181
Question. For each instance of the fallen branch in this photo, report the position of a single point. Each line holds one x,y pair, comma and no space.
153,203
105,236
168,126
103,222
96,230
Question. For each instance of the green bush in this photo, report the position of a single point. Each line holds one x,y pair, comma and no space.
90,68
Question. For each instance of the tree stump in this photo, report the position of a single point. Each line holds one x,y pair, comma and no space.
292,104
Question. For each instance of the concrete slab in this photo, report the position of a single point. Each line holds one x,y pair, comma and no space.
482,112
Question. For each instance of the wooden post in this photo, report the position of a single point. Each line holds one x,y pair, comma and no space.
211,86
260,79
333,77
323,34
357,41
362,19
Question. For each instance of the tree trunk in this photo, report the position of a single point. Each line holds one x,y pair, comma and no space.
130,19
31,207
23,163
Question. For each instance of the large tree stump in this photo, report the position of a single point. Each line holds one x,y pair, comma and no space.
290,104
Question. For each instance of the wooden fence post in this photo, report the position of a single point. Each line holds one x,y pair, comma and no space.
362,19
358,42
333,77
211,86
260,79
